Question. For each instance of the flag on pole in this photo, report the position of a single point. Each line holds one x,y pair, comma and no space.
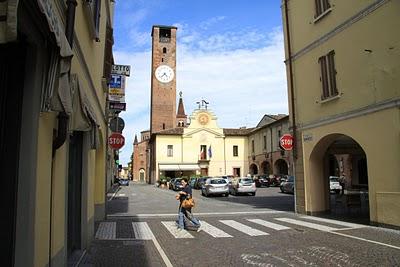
209,152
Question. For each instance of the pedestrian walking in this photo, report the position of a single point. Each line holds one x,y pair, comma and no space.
185,213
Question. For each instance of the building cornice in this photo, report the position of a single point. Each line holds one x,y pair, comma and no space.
393,103
360,15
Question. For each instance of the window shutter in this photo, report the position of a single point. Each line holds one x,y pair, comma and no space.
317,8
108,58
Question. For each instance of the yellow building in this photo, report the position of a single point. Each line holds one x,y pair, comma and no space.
202,148
55,59
343,70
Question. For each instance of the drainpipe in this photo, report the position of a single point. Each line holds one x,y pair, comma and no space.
292,105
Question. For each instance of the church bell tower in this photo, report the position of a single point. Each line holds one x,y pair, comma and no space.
163,78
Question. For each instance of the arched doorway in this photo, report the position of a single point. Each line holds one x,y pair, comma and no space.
281,167
142,175
339,178
253,169
266,167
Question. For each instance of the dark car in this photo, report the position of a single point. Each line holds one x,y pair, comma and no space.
122,181
192,181
274,180
261,180
177,185
200,182
288,185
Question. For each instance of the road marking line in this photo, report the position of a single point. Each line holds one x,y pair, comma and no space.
269,224
366,240
349,225
243,228
212,230
172,228
142,231
308,224
121,195
106,230
144,215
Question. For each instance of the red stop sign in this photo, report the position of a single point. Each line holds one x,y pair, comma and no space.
286,142
116,141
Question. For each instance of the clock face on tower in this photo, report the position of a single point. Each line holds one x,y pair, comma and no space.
164,74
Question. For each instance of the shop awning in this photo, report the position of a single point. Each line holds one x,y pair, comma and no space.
178,167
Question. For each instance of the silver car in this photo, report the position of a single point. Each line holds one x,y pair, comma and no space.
245,185
215,186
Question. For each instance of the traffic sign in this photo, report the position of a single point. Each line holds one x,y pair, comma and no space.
117,106
117,125
286,142
116,141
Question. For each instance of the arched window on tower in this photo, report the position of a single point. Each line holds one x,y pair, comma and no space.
164,50
163,126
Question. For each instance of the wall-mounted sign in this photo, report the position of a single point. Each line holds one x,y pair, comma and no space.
117,106
121,70
286,142
116,91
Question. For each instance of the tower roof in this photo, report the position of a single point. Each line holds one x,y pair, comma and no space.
136,141
181,109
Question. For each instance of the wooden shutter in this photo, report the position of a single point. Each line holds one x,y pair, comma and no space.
108,57
332,74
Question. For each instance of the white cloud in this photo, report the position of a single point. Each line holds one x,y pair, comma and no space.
241,84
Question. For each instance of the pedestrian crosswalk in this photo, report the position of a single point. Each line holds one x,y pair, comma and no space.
142,230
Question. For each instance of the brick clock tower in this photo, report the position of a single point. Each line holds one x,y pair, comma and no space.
163,78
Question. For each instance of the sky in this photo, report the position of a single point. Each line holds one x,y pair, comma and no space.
229,52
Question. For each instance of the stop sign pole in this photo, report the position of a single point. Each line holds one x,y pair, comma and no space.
286,142
116,140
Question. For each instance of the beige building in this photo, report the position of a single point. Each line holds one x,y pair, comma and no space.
202,148
54,64
343,70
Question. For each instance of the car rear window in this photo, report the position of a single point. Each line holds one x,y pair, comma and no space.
246,180
218,181
334,179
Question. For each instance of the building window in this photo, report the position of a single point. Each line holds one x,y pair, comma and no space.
163,126
170,150
235,151
321,6
265,142
203,152
165,35
252,146
236,172
164,50
93,13
328,75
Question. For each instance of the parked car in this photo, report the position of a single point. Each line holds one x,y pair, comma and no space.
274,180
177,185
215,186
287,186
192,181
228,178
170,183
334,185
122,181
261,180
244,185
199,182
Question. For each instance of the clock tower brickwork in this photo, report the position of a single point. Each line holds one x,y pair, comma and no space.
163,95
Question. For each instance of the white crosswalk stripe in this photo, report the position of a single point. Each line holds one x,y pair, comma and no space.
212,230
243,228
172,228
346,224
271,225
142,231
106,230
320,227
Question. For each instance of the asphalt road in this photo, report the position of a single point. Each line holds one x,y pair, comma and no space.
259,230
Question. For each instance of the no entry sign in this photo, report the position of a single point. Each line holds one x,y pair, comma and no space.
116,141
286,142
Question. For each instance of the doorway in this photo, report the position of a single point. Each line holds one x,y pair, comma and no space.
74,192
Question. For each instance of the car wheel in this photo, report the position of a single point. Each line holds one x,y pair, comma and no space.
226,195
283,191
202,192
